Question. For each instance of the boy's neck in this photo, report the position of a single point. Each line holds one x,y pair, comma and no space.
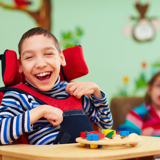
32,86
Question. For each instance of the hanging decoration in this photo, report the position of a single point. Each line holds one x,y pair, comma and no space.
144,27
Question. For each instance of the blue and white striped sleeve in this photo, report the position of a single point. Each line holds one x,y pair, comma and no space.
98,110
14,117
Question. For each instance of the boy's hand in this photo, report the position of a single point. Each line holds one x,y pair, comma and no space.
147,131
78,89
53,115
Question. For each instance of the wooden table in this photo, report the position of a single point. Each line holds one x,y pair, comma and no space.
147,148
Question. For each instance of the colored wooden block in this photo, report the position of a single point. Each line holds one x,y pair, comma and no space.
124,133
89,137
92,132
83,134
93,137
106,131
101,135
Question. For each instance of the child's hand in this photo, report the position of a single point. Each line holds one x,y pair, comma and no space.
53,115
147,131
78,89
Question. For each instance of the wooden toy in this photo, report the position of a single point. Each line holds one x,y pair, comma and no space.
92,136
132,139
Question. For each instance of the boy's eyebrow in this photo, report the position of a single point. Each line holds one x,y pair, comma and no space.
27,51
47,48
30,51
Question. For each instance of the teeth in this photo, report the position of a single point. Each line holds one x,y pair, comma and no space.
43,74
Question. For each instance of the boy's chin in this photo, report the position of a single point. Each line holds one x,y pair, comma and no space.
44,89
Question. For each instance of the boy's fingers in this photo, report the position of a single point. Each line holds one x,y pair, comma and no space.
53,117
79,92
67,87
55,122
70,84
71,89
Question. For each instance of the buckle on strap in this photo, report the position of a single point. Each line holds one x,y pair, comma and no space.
73,113
65,138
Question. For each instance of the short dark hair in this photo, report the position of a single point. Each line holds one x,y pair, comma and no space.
147,97
37,31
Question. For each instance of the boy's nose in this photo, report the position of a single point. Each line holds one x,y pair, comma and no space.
40,64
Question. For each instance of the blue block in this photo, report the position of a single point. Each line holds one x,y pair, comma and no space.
124,133
89,137
93,137
127,132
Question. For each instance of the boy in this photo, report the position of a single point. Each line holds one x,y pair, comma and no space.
40,60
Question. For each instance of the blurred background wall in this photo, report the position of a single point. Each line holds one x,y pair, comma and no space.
120,38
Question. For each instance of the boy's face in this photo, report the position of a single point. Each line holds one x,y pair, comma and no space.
40,61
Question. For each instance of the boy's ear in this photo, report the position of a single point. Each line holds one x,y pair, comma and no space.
20,67
63,61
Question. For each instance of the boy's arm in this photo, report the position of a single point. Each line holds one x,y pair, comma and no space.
14,118
95,106
12,127
98,110
17,116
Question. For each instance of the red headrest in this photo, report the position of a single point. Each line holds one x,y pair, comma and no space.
75,66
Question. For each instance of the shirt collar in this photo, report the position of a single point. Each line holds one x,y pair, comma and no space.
55,87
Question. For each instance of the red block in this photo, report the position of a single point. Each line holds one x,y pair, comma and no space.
83,134
101,135
92,132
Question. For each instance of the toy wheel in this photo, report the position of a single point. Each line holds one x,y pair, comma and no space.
133,144
83,144
93,146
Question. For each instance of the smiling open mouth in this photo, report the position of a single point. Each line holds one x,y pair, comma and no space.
43,75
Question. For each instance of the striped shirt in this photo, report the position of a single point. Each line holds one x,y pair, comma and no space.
15,118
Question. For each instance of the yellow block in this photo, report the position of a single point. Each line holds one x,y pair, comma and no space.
106,131
83,144
93,146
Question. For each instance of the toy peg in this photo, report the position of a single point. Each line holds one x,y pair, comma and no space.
83,144
93,146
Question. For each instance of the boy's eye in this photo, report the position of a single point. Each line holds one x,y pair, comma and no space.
48,53
28,57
